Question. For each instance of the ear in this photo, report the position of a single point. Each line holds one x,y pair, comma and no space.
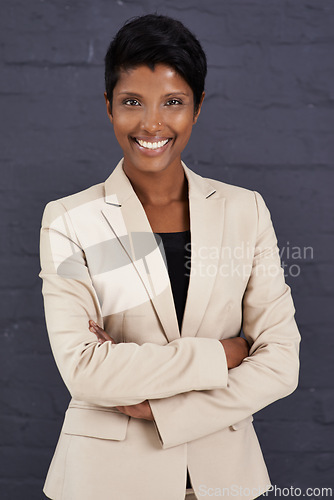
109,112
196,115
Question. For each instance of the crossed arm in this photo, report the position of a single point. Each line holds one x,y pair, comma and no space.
191,368
236,349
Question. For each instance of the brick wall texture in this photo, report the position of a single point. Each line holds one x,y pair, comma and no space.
267,124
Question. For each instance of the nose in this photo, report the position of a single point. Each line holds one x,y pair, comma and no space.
152,120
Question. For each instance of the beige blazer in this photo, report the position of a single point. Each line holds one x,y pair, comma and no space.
101,261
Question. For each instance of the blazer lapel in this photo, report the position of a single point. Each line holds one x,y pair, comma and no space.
206,228
127,219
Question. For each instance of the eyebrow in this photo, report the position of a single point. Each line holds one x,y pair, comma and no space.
166,95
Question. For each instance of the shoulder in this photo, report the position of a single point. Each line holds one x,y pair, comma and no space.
238,194
74,205
244,208
243,201
231,191
87,195
92,197
235,196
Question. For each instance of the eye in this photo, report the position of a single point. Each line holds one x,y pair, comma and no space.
173,102
131,102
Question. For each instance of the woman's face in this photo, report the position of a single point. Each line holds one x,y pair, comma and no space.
152,115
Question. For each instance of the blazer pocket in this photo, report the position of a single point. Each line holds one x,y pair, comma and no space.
101,424
242,423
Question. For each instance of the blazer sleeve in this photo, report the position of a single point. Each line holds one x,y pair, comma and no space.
270,372
110,374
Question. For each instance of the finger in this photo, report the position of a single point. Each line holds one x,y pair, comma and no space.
102,333
100,338
122,409
99,332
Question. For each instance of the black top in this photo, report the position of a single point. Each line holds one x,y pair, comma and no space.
178,255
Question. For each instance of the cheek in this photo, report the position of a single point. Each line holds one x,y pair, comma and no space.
119,136
186,120
125,120
121,129
184,126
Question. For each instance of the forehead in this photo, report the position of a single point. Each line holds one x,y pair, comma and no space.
162,77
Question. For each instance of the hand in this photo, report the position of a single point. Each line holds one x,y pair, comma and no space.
101,335
140,410
236,350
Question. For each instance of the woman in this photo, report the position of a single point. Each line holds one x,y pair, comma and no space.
162,384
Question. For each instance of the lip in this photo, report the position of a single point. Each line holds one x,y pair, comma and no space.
151,152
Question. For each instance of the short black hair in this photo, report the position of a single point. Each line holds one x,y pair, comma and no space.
154,39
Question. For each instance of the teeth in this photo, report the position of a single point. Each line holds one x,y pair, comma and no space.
152,145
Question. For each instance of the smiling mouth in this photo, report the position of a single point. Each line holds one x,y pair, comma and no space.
152,145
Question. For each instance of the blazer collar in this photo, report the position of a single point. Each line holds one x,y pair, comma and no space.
118,183
206,226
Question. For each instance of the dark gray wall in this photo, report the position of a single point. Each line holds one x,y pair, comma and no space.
267,124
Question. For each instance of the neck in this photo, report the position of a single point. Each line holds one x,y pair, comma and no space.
159,188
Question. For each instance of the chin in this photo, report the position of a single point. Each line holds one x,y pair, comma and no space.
148,166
